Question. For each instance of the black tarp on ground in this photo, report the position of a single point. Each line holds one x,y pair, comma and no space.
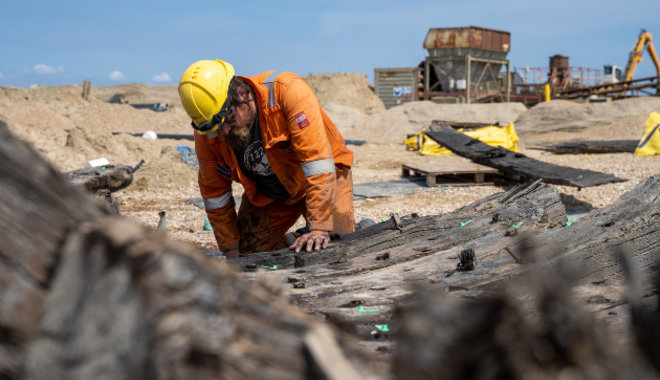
515,163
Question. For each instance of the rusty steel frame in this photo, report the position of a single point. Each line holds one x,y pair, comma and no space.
468,59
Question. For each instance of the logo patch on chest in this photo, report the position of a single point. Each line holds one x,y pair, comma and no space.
255,159
301,119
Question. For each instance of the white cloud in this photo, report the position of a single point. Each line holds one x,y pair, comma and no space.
162,78
117,75
2,76
43,69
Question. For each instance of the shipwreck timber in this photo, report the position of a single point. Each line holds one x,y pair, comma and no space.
515,163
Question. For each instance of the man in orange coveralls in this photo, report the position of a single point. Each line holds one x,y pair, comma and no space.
269,133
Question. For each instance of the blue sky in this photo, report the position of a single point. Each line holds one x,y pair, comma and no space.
113,42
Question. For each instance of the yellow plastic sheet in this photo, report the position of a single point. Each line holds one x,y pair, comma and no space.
649,145
495,136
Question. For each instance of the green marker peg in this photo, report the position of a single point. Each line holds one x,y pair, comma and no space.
517,225
382,328
463,224
363,309
570,221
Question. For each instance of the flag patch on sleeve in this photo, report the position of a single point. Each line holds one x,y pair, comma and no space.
301,119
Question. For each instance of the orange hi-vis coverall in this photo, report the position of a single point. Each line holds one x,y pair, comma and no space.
307,154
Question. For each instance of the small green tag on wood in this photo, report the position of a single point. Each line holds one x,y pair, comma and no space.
363,309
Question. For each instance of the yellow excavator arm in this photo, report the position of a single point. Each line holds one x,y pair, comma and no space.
644,40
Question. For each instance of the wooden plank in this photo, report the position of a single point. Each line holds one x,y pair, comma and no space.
591,146
108,177
465,125
455,228
516,163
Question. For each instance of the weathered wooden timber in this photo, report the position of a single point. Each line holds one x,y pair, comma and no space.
494,337
87,295
591,243
588,244
108,177
591,147
529,204
465,125
369,275
515,163
364,277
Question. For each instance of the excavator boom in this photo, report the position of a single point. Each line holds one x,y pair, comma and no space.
644,40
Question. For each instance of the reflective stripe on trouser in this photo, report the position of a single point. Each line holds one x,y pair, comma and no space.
263,228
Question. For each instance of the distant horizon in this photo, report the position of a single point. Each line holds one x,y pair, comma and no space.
153,42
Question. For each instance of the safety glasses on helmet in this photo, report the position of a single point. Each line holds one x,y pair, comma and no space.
219,118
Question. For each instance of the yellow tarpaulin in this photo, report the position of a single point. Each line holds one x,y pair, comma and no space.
649,145
491,135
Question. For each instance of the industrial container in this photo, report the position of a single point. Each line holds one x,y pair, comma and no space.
396,86
438,41
470,55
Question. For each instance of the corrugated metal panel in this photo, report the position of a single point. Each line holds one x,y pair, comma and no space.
468,37
395,86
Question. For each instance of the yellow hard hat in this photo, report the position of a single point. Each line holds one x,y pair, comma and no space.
203,90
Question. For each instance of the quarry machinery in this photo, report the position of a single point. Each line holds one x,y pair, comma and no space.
618,84
613,74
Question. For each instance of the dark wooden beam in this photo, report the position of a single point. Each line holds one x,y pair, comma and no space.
516,163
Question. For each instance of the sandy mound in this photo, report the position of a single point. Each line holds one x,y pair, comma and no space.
393,125
168,171
139,93
69,131
352,90
561,120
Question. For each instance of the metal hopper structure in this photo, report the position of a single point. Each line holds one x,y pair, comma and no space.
464,64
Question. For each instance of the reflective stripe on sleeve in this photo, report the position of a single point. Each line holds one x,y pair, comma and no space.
217,202
270,85
318,167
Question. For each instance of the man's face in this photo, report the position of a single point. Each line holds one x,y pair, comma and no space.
236,131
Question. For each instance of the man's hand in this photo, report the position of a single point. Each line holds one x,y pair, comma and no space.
316,240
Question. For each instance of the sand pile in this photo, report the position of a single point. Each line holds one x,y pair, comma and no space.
561,120
139,93
351,90
393,125
69,131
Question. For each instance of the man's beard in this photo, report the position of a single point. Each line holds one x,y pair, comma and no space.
239,134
